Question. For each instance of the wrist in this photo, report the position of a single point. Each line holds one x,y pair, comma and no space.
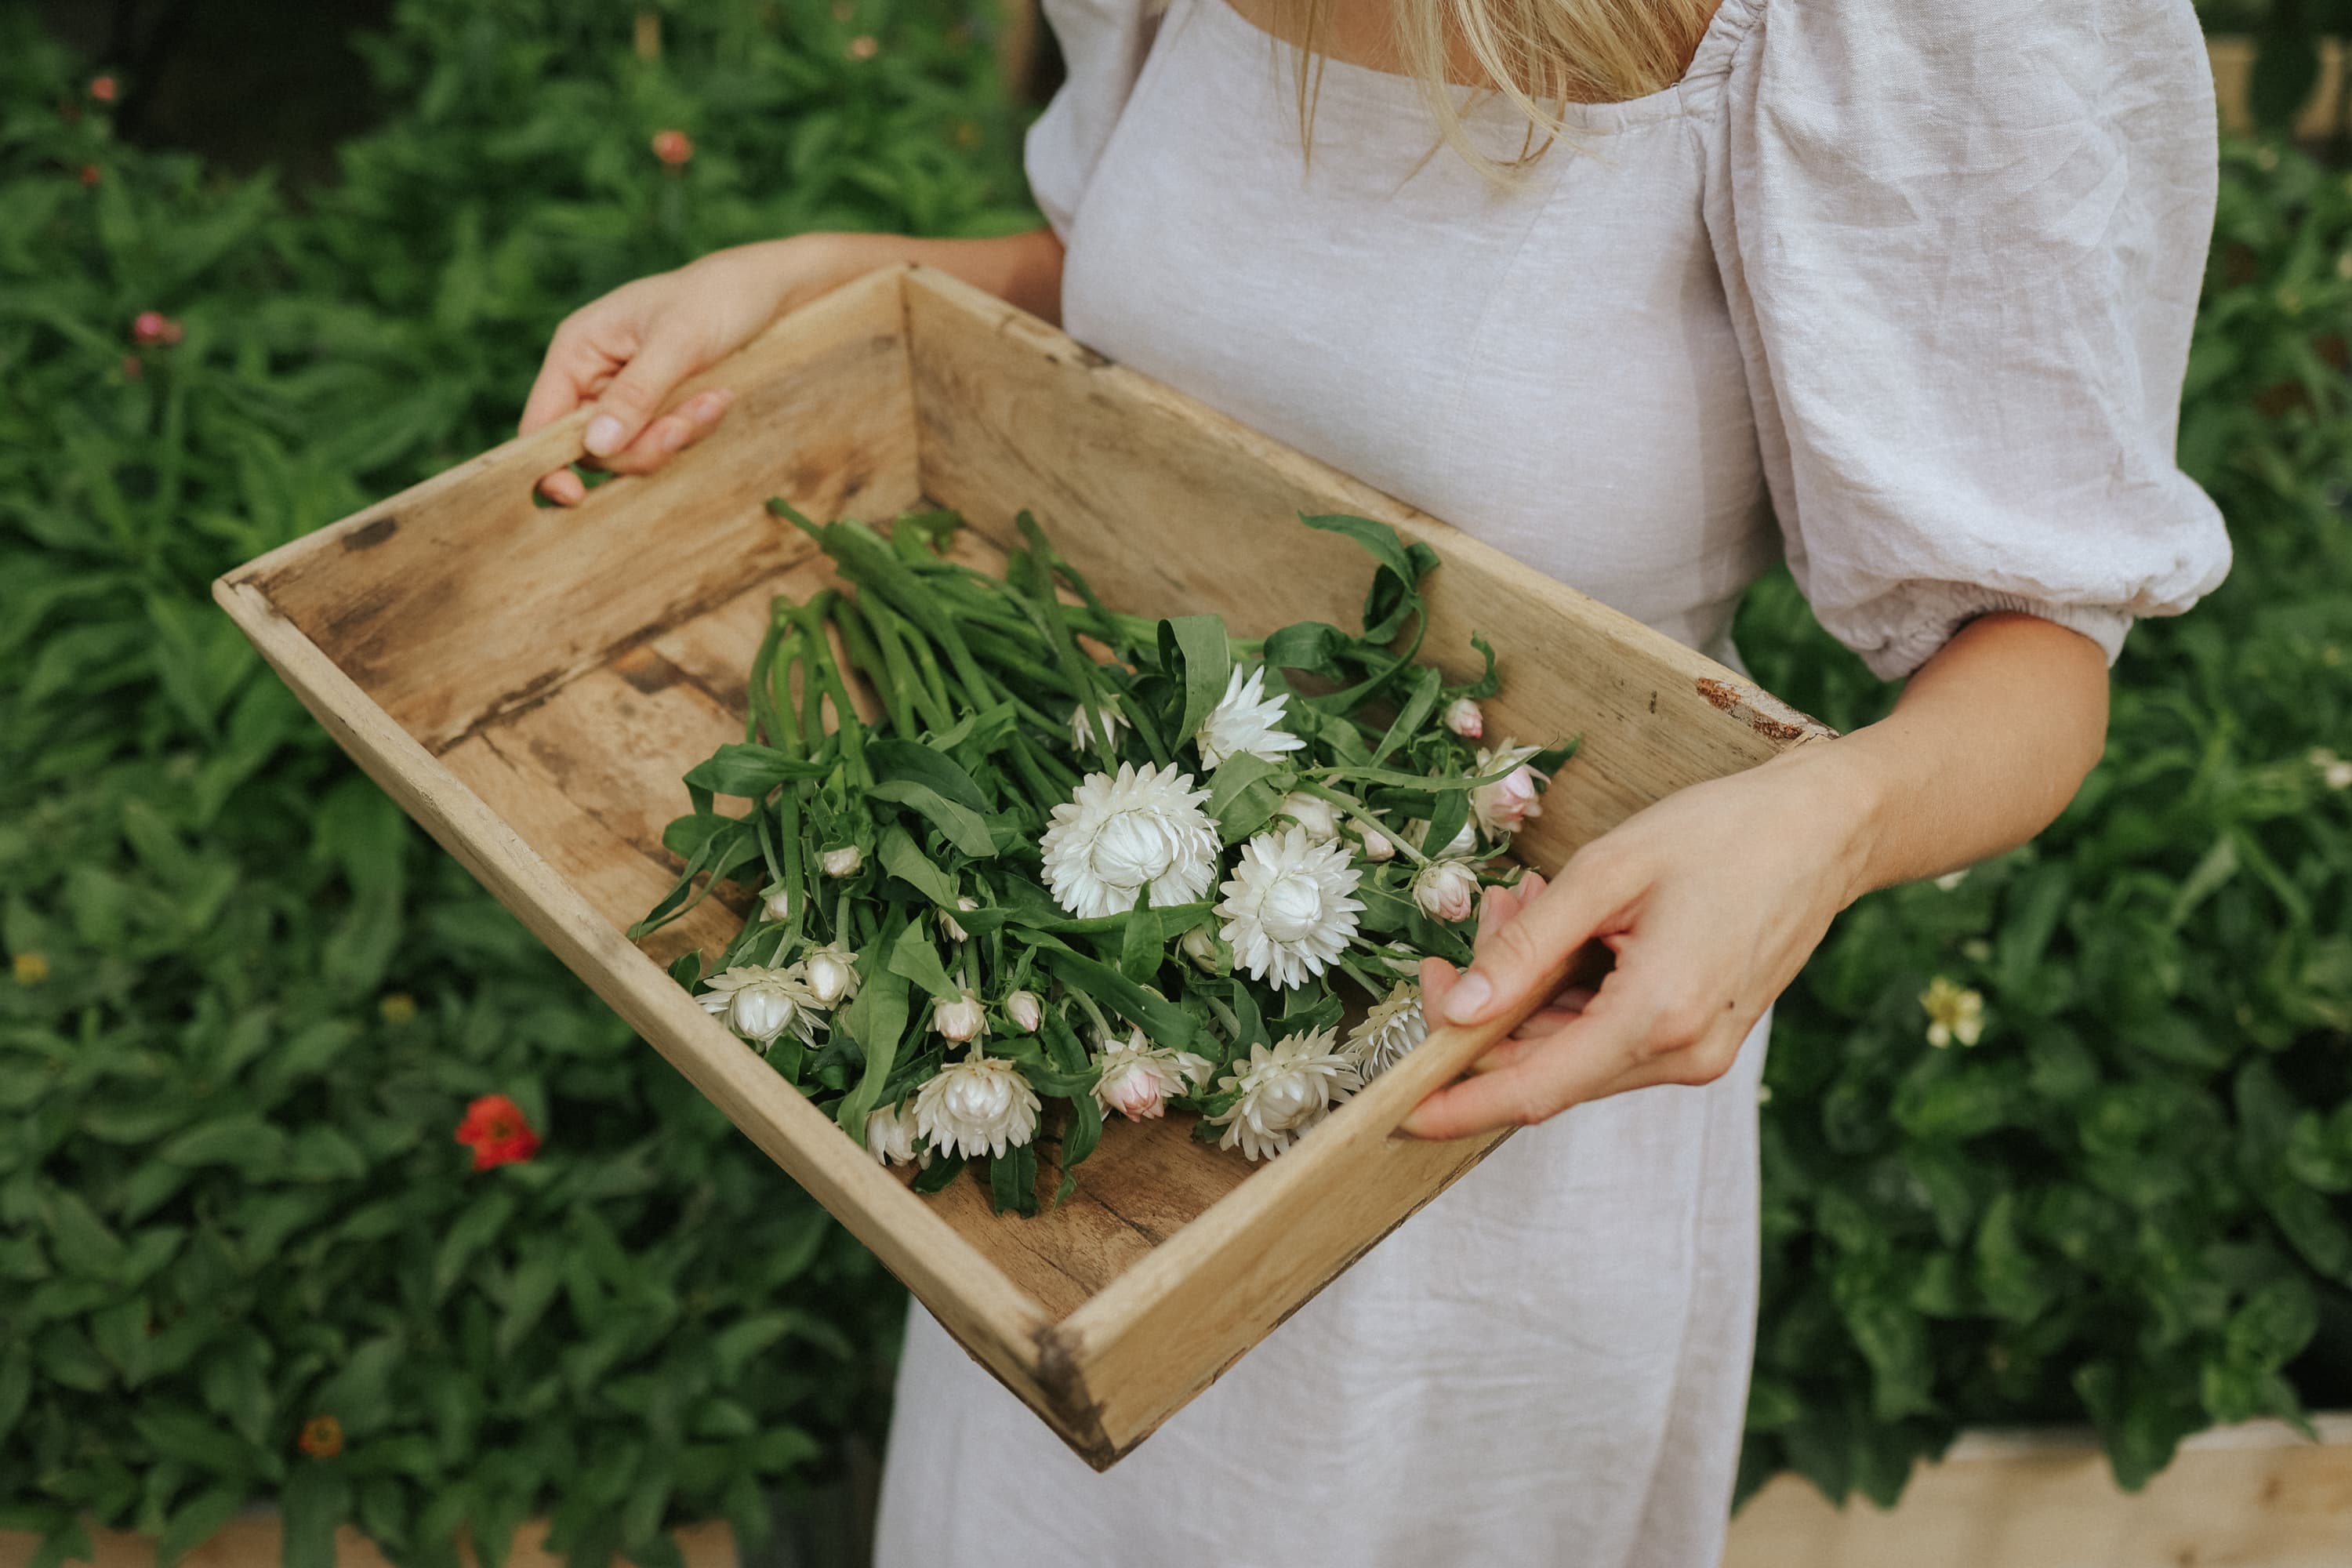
1841,790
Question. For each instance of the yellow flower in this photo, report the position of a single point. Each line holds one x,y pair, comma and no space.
398,1008
1953,1014
32,968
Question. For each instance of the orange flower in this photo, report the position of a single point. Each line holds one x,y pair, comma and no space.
103,89
496,1130
673,147
322,1437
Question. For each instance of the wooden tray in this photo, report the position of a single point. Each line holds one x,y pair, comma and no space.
529,684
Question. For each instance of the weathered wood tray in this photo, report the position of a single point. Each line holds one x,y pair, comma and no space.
529,684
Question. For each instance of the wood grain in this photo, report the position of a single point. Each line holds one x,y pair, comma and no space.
461,598
1166,503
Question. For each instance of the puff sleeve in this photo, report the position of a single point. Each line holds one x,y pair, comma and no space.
1103,43
1962,245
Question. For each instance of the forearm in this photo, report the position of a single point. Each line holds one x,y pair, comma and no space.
1023,268
1989,741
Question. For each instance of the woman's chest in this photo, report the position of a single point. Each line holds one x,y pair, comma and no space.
1549,365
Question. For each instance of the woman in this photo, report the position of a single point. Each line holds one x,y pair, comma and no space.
1614,284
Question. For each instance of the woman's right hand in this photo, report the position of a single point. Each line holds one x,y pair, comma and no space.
628,352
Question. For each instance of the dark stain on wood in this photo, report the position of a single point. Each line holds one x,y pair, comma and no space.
647,670
1735,702
368,535
1653,703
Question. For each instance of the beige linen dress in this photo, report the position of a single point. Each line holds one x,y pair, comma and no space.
1903,289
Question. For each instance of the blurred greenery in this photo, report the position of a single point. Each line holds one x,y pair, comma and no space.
249,1004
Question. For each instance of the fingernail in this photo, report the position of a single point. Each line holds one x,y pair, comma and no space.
1468,998
604,436
673,438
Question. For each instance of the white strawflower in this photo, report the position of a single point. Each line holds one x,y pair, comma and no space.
1027,1010
1393,1026
1377,847
1446,890
842,862
1311,812
960,1018
1515,798
1137,1078
954,927
761,1004
1463,717
776,904
1142,832
1283,1091
982,1106
890,1136
1110,723
1245,719
1287,909
832,973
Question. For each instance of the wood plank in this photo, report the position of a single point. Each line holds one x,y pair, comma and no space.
995,1319
1165,503
2257,1494
460,598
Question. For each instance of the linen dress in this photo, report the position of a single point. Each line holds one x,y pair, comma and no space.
1903,290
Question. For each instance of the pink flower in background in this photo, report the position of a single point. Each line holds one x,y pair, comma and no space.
104,89
673,147
153,327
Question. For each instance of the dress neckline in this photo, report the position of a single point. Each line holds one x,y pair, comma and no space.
1708,64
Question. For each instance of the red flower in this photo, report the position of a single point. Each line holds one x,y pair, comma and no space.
154,327
102,87
322,1437
90,175
495,1127
673,147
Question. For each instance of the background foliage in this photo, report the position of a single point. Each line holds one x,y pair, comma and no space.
249,1004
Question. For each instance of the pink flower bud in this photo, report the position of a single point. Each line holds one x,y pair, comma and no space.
960,1019
1377,847
1026,1010
1134,1090
1512,799
1446,890
1463,717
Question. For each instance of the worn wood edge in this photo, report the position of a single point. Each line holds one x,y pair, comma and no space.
997,1322
1753,710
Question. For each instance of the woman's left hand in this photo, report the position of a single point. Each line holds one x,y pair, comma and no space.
1711,899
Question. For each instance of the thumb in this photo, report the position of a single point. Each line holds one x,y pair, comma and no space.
636,396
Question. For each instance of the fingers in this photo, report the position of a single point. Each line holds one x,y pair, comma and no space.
672,433
628,405
1539,1079
563,486
1528,954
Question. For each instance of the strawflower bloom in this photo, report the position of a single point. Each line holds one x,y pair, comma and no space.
1311,812
1139,833
761,1003
982,1105
890,1135
1953,1014
1137,1078
1283,1091
832,972
498,1132
1245,721
1394,1026
1446,890
960,1018
1512,800
1109,723
1289,910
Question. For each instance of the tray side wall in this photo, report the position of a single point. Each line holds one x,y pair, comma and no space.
1162,502
462,598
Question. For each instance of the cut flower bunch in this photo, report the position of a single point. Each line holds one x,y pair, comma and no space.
1086,856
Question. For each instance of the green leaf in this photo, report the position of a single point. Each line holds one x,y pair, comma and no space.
876,1021
315,1500
474,1229
903,860
1200,644
913,957
198,1520
1244,793
963,827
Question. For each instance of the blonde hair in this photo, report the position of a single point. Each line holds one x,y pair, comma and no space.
1538,56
